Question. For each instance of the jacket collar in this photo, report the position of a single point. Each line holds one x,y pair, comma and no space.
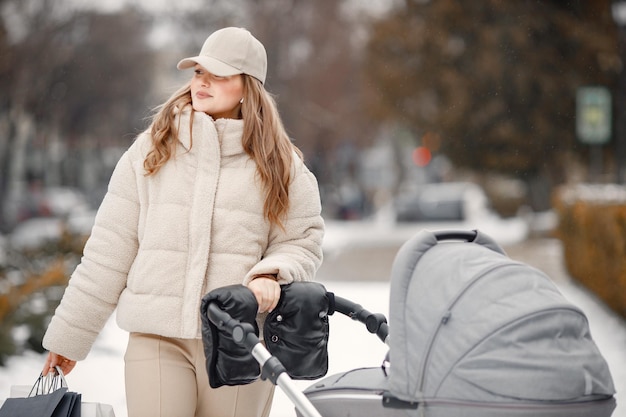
227,132
230,133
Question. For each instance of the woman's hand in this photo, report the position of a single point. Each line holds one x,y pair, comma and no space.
53,360
267,292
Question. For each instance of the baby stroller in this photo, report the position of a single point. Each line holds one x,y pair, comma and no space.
473,333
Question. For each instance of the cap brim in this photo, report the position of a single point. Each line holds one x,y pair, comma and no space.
212,65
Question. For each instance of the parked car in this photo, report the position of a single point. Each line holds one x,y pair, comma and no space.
442,202
35,232
39,201
62,201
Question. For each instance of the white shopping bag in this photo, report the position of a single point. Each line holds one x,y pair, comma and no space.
96,410
20,391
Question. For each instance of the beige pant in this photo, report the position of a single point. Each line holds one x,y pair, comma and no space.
167,377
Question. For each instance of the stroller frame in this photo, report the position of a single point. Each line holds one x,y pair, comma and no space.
271,367
359,390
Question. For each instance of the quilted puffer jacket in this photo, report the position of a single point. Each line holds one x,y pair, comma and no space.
161,242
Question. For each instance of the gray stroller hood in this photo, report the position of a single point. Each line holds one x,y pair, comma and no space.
467,323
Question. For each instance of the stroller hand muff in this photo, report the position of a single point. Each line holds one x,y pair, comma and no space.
296,333
227,361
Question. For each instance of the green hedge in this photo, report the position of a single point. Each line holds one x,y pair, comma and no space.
592,228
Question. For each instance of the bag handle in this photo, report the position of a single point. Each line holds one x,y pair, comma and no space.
49,383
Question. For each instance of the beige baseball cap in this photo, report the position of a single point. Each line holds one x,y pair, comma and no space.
231,51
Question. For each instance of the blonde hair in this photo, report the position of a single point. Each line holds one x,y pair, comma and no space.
264,140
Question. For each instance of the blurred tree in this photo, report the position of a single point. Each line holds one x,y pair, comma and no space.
101,90
495,80
316,72
71,80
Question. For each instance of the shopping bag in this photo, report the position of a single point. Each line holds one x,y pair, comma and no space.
69,405
48,397
89,409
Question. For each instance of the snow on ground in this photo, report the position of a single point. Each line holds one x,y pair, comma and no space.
100,378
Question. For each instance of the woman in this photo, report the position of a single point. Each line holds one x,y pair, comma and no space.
212,194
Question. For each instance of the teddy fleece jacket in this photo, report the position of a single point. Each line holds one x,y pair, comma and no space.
160,242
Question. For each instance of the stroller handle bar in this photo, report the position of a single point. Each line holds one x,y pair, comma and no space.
272,368
375,323
467,235
242,333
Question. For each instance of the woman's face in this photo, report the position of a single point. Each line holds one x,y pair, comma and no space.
219,97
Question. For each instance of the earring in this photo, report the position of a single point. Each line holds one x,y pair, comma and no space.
241,101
